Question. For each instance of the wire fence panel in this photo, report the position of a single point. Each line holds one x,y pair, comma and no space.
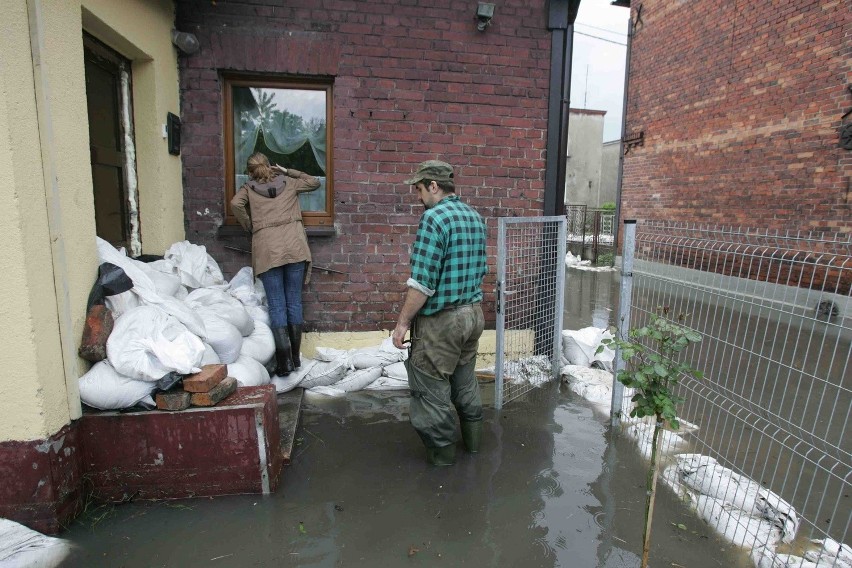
531,291
775,313
591,233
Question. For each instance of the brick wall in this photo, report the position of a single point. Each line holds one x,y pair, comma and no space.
741,106
413,81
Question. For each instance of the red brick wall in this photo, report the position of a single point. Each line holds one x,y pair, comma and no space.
741,106
412,81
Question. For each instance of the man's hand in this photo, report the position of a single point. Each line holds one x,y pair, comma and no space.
282,169
398,336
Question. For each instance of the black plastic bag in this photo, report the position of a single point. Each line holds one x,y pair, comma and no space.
111,280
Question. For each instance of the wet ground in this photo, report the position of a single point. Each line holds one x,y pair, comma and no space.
551,487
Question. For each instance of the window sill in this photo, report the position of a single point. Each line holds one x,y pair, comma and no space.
235,231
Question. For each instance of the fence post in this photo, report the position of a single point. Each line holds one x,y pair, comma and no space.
625,299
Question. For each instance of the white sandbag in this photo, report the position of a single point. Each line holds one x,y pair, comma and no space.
715,480
182,293
106,389
146,291
328,354
594,385
178,309
643,434
291,381
248,372
737,526
22,547
384,354
358,379
396,371
388,383
196,268
108,253
225,339
325,373
210,357
580,346
147,343
260,345
243,287
166,284
226,307
259,314
119,304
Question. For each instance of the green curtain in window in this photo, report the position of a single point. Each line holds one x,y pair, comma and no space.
281,133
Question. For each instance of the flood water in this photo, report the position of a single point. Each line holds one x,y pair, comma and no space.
551,487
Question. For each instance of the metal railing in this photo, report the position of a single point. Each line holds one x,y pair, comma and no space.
775,312
591,233
530,299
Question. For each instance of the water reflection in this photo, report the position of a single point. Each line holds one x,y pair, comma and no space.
591,298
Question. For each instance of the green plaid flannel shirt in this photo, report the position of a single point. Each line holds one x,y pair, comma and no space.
448,260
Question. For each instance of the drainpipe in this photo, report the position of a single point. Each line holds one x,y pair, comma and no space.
623,135
561,16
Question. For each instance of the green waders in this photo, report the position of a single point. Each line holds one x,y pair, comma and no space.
441,367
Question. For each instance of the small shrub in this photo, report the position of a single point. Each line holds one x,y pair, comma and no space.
654,366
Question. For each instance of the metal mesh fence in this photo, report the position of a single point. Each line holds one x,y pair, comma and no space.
530,284
591,233
773,407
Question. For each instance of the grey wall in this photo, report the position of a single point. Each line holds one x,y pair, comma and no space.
609,171
585,149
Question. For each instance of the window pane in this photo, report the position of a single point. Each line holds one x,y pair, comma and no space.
289,126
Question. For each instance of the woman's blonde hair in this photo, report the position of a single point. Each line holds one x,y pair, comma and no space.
259,169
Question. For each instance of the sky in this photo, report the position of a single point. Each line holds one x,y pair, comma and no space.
597,72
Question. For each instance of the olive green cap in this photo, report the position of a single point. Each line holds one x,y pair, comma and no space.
432,169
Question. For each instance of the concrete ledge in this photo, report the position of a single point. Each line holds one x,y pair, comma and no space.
231,448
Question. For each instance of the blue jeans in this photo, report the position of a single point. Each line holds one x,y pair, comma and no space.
283,286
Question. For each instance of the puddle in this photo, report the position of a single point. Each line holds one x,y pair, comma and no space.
552,486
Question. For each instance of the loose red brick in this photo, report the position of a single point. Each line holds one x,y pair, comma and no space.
98,326
218,393
173,400
209,377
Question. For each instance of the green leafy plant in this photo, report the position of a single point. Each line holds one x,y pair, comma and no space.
654,365
608,206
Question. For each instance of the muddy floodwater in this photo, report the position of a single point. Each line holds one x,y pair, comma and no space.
551,487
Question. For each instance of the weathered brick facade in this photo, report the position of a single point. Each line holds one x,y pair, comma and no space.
413,81
740,104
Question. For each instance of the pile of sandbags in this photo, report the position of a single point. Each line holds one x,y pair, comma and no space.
335,372
150,324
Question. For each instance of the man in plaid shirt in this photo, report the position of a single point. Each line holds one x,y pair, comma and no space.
442,310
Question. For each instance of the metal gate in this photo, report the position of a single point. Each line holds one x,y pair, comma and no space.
530,299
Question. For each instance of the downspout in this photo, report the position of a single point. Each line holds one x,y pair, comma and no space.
561,17
623,135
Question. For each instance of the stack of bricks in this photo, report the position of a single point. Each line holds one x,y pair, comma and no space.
206,388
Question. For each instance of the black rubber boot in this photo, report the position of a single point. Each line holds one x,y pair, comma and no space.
295,332
471,435
445,455
283,352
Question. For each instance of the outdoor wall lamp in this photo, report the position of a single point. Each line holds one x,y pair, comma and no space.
484,13
185,41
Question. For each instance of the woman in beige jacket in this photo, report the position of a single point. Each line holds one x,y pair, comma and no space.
268,207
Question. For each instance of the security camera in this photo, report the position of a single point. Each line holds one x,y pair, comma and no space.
484,13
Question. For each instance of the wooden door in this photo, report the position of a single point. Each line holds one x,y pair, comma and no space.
106,101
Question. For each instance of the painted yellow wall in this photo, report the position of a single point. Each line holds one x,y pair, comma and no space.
141,31
33,399
49,256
